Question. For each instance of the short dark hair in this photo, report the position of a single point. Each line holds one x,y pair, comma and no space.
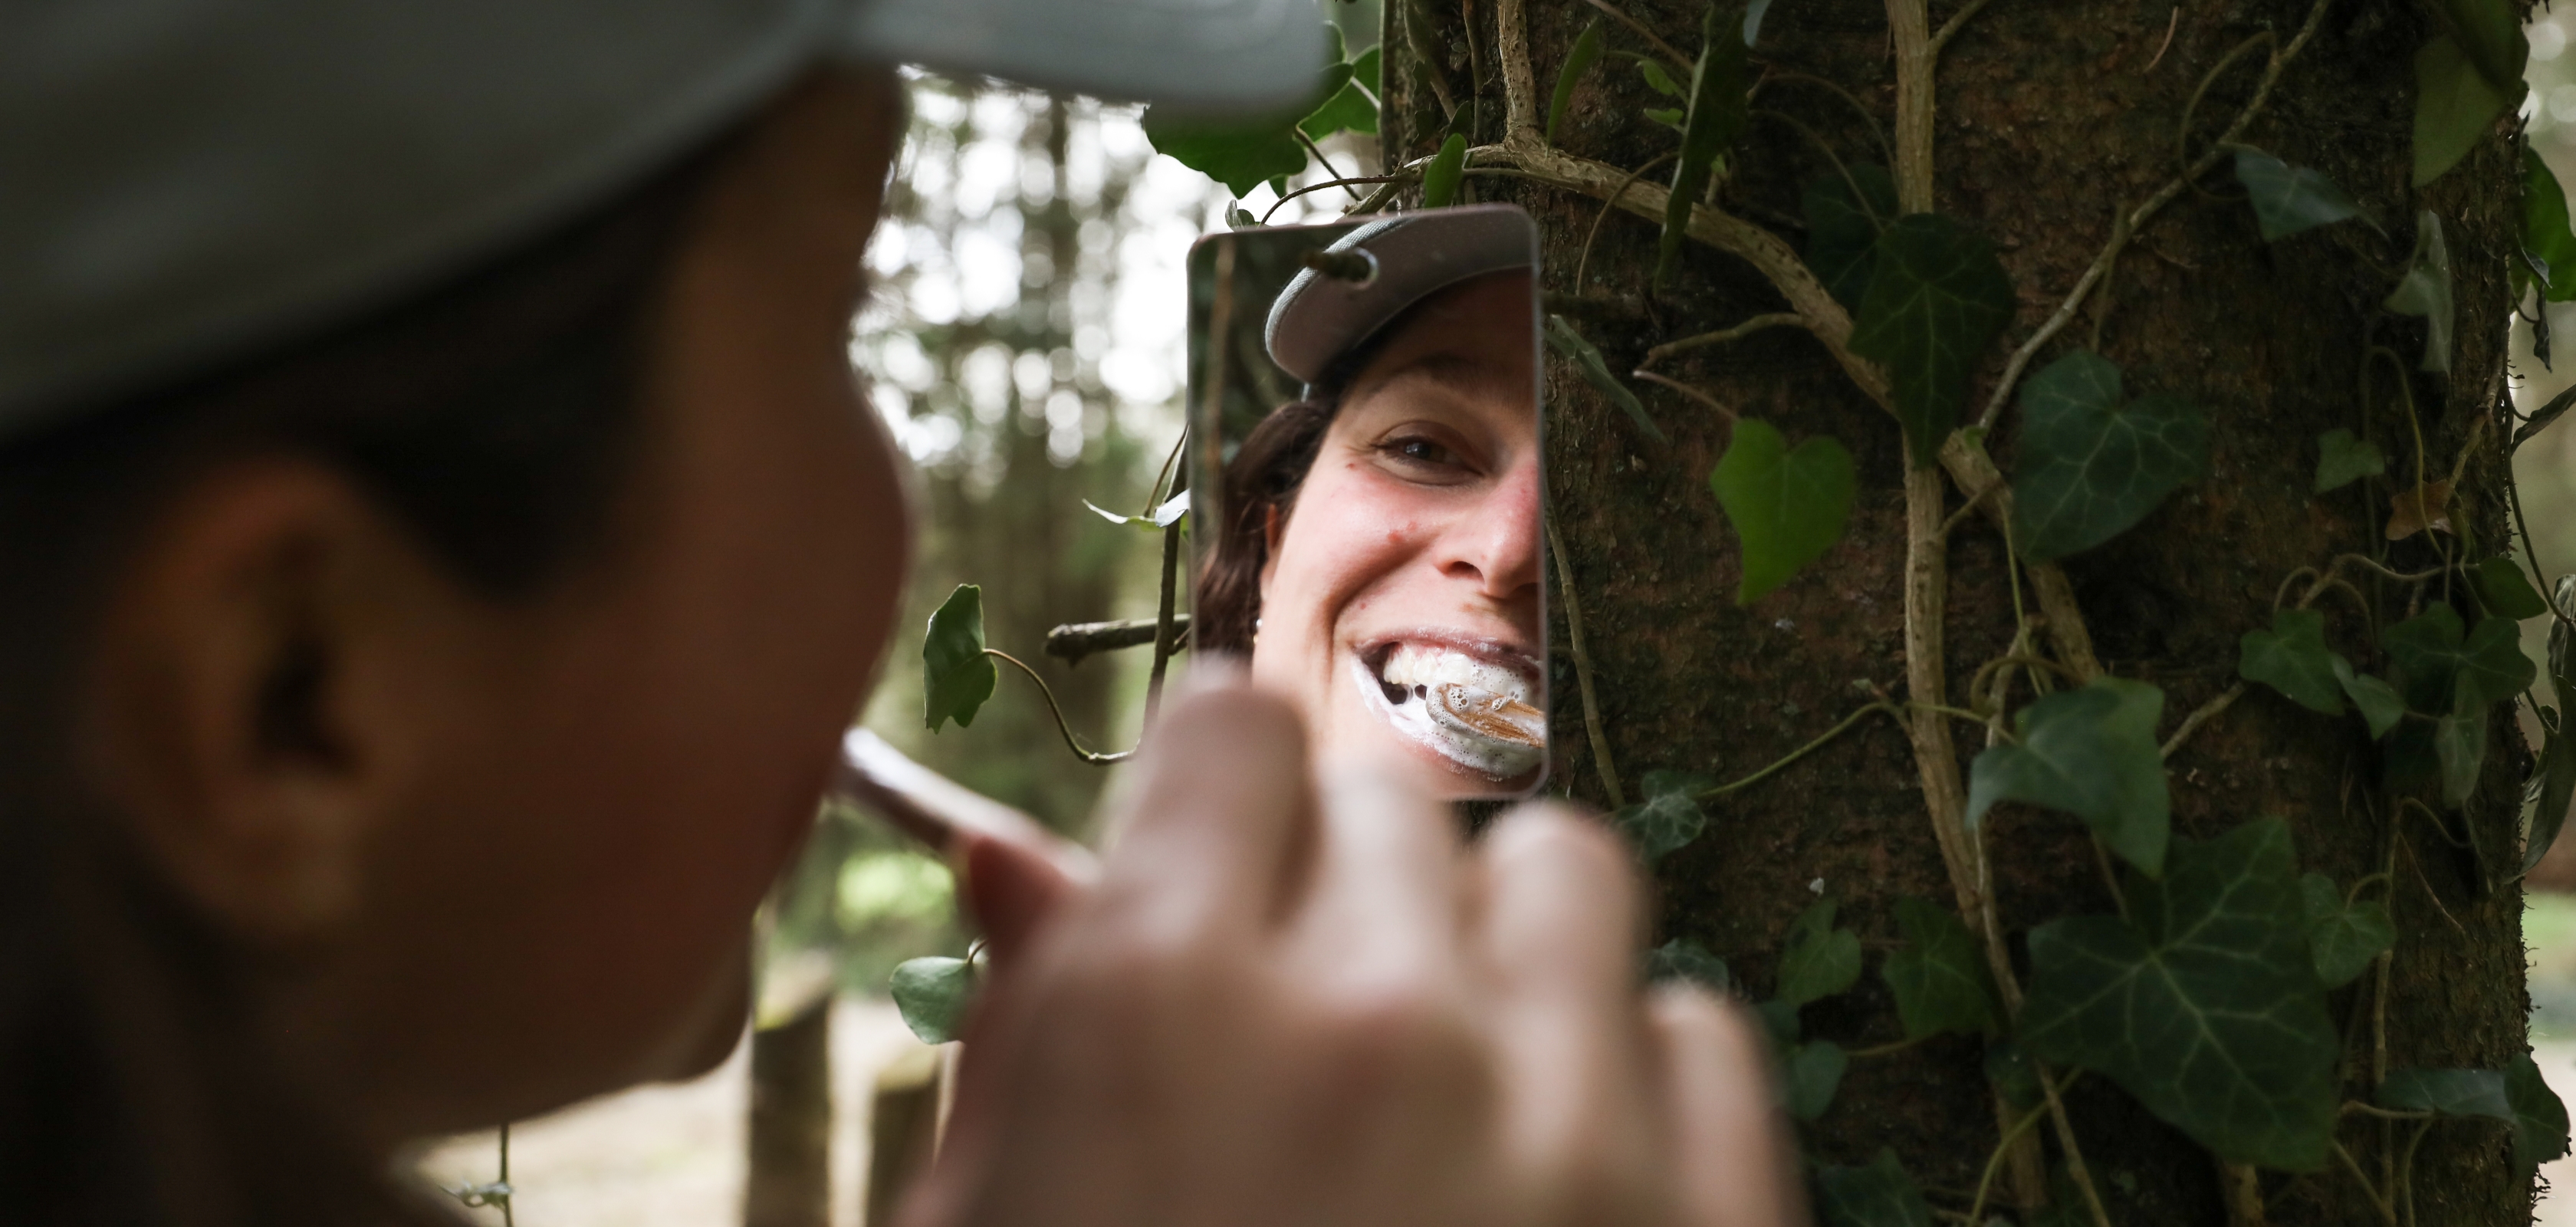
496,418
1263,477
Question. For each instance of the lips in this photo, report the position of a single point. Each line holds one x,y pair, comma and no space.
1474,702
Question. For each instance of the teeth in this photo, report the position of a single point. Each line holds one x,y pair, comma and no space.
1411,666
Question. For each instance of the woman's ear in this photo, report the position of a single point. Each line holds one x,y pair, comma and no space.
246,708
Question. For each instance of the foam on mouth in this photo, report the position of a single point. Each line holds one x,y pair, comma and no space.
1472,711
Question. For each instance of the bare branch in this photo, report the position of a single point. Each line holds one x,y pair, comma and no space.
1520,80
1076,641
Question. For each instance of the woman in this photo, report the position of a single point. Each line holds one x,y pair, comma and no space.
1379,555
441,546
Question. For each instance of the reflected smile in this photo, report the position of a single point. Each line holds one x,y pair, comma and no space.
1471,701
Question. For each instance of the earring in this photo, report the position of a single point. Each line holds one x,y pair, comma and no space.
1256,627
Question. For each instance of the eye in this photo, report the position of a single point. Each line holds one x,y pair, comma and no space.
1420,450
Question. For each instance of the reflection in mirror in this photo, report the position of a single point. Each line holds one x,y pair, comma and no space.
1364,411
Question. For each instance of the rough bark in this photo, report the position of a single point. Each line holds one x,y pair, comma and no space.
2050,119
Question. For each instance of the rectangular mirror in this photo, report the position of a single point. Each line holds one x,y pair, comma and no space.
1366,478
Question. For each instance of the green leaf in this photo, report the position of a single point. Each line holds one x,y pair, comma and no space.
2550,410
1671,118
2091,753
2503,590
1586,53
2426,291
1684,959
1350,108
1789,506
1570,345
1879,1195
2378,702
1937,297
2204,1005
2288,199
1939,975
2455,106
1817,960
932,995
1169,513
2545,232
1440,178
2460,743
2539,1118
2343,459
1812,1072
1843,226
1658,80
2447,1092
1659,825
2091,467
1718,111
1753,19
1779,1021
2552,786
2343,938
956,674
2292,658
2429,653
2489,33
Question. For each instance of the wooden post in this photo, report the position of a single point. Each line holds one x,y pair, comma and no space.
790,1137
903,1127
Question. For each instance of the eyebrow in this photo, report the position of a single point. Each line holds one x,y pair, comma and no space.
1442,366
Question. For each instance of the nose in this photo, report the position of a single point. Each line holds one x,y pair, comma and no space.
1493,543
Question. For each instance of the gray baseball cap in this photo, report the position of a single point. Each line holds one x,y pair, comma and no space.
1409,257
182,181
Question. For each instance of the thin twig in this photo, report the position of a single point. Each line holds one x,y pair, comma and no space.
2427,883
1167,632
1520,81
1397,179
2377,1202
1325,162
1075,642
1095,757
1774,319
1706,400
1994,1161
2172,23
1584,259
1679,60
1876,132
2138,217
1799,753
2191,106
1583,670
2201,715
1950,29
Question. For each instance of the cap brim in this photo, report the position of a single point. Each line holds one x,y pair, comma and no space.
1317,319
1199,55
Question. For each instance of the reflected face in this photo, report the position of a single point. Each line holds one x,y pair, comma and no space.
1399,605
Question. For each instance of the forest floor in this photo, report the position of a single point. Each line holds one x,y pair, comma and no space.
671,1156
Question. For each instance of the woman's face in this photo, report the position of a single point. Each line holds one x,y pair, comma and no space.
1399,605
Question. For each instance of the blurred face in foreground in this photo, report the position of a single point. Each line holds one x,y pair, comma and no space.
1399,605
516,863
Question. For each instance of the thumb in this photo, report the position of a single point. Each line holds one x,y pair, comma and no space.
1010,890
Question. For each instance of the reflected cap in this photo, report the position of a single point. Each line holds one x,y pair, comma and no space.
184,181
1319,318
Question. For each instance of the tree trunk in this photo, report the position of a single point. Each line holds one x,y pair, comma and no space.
2051,119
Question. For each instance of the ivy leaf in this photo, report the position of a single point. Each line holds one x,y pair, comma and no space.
1586,53
1718,110
956,674
1937,297
932,995
2288,199
2091,753
2455,105
1351,108
2503,590
1817,960
2343,938
2489,33
1879,1195
1169,513
1753,19
2446,1092
2380,706
2552,786
2204,1005
2460,743
2548,412
2292,658
1939,975
2343,459
2090,467
1779,1021
1843,226
2539,1118
2413,511
1789,506
1668,818
1571,346
1684,959
2545,232
1671,118
1440,178
1812,1072
2426,291
1243,154
1658,80
2429,652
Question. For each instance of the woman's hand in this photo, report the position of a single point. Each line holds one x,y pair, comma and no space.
1285,1004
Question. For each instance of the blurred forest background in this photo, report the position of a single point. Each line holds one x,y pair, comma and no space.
1026,342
